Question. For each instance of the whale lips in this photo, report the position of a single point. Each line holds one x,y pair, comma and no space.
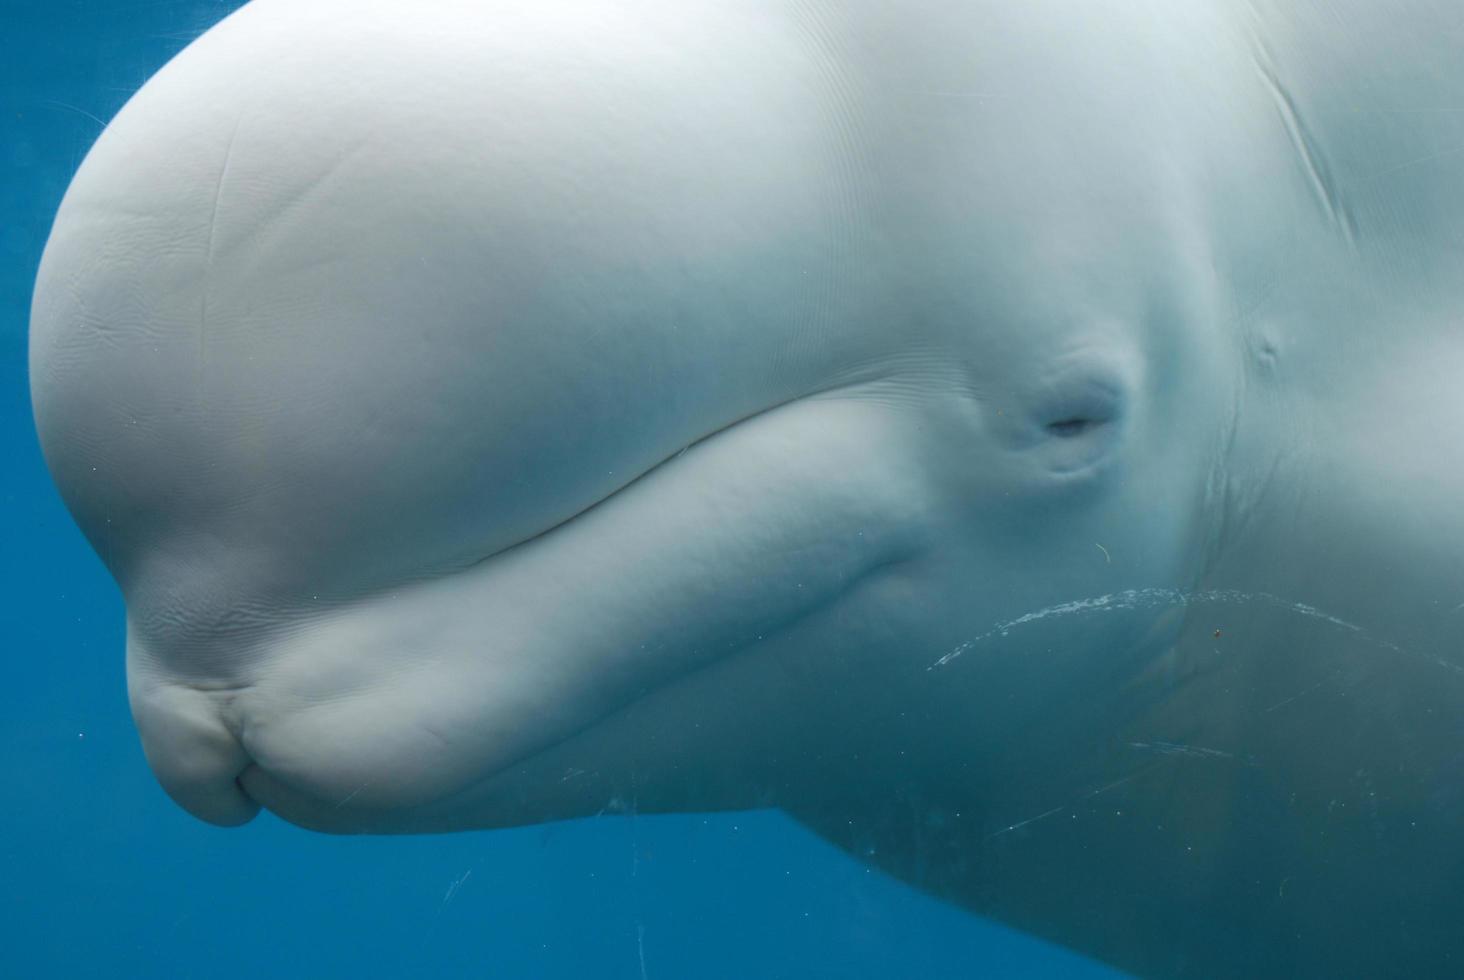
195,755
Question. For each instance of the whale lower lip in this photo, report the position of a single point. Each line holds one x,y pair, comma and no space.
190,745
302,808
358,810
424,706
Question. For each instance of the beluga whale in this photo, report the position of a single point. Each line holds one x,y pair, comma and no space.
1020,441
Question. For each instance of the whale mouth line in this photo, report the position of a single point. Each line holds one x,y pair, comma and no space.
232,786
349,813
385,711
828,389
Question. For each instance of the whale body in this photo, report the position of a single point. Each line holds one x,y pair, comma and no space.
1019,440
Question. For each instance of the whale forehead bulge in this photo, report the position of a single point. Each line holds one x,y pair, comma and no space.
345,310
498,309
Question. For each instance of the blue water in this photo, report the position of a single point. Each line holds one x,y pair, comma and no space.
101,875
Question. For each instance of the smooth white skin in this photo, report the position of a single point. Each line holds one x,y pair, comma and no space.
506,412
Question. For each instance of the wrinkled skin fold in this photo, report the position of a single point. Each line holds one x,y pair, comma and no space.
1018,440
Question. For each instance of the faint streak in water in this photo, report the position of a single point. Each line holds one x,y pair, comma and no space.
1177,748
76,109
1058,809
452,889
1022,823
1131,599
354,793
1303,693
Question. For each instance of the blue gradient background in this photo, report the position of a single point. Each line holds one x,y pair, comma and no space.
101,875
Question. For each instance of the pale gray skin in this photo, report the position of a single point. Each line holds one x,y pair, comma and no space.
1069,521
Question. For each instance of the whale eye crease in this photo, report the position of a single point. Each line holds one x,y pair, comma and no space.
1079,403
1069,428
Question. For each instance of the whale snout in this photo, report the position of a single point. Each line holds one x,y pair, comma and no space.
193,751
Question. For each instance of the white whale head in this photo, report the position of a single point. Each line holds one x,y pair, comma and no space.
494,412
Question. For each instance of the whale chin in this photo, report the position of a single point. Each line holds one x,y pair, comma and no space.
322,809
223,755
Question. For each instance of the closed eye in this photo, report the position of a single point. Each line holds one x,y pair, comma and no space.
1070,427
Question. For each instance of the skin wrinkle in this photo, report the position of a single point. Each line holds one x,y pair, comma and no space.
213,223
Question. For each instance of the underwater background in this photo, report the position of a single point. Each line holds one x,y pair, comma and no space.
102,875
